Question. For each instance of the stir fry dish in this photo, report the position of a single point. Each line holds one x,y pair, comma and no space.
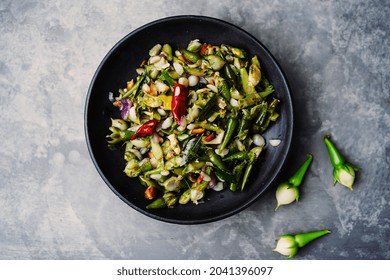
192,121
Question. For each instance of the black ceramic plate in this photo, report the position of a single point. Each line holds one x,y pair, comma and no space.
119,66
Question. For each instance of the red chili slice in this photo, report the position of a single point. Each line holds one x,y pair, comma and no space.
145,129
179,101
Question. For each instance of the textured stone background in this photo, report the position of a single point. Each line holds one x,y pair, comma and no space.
54,205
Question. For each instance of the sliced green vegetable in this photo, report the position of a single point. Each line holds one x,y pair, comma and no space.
253,155
191,56
231,127
238,171
208,109
134,87
157,204
224,90
216,160
216,62
167,49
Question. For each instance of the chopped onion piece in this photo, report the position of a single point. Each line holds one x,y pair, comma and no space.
167,123
161,64
229,58
193,96
177,53
258,140
111,97
136,153
222,153
233,102
193,80
133,113
183,121
218,187
134,128
146,88
212,87
194,112
142,162
155,176
140,71
193,65
124,108
206,177
191,126
161,112
178,68
275,142
183,81
161,87
155,138
155,50
154,59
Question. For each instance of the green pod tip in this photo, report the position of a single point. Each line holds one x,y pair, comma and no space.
335,157
157,204
296,179
304,238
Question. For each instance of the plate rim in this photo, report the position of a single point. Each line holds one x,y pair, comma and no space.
289,133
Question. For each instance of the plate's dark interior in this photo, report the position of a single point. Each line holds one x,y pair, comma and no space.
119,66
